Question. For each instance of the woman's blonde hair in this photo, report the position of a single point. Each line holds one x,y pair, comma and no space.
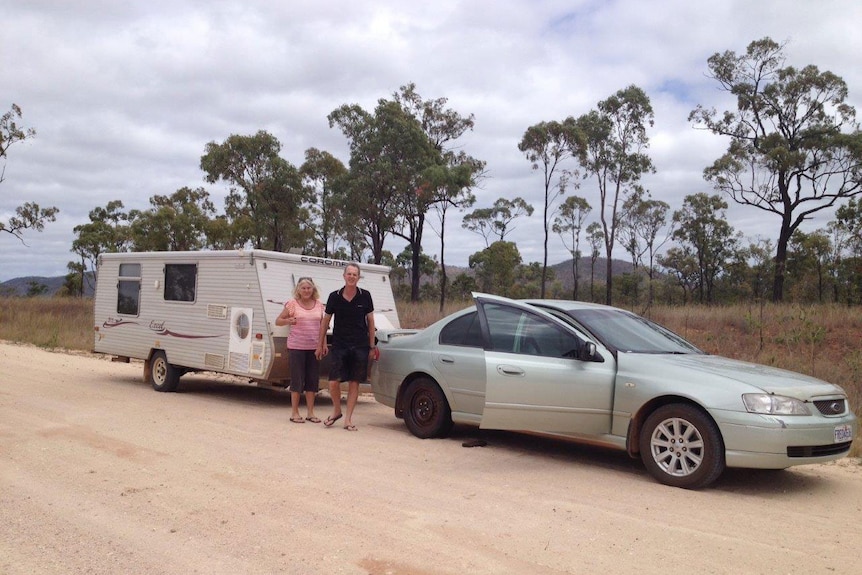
315,294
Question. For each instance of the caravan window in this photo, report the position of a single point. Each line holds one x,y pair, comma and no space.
129,289
180,282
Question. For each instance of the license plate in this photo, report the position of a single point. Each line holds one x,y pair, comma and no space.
843,433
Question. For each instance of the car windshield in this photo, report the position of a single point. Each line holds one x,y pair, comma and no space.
631,333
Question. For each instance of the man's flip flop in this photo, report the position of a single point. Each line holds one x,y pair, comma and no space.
350,427
312,419
297,420
331,420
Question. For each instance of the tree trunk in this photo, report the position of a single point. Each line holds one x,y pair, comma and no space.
545,260
415,274
781,260
443,278
609,283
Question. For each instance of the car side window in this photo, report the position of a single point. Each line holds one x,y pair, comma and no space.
464,330
517,331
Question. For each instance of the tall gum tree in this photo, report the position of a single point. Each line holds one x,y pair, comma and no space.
452,182
388,154
611,147
323,174
449,178
547,145
795,146
569,223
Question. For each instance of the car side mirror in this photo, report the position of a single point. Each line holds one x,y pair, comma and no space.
588,351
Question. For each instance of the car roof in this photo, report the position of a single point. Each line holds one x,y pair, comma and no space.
567,305
564,305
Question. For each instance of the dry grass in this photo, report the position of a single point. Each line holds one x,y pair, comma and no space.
423,314
52,323
819,340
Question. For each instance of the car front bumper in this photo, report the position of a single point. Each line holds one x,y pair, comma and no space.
775,442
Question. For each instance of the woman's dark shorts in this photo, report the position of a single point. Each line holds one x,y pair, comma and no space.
304,370
348,363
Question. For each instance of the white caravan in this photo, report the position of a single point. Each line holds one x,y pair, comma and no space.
213,310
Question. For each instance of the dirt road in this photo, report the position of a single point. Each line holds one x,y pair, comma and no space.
101,474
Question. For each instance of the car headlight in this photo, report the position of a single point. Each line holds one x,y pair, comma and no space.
773,404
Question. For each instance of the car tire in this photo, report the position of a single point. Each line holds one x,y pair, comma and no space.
426,411
163,376
681,446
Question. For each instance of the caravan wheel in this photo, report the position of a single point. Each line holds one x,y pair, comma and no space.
163,375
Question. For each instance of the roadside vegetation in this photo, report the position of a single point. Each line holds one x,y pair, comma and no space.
820,340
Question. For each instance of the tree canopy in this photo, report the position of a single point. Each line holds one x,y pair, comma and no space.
794,144
267,200
29,215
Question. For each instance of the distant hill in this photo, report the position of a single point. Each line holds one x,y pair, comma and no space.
21,286
563,271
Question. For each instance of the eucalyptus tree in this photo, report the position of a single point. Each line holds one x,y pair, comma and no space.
389,153
681,264
611,148
28,215
267,202
453,183
749,270
73,282
810,258
496,220
847,229
179,222
794,144
106,232
642,220
701,226
849,218
568,225
326,178
496,267
596,238
449,179
547,145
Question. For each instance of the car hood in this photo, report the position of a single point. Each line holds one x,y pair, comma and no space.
763,377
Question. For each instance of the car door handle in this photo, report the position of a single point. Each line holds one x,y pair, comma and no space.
509,370
447,359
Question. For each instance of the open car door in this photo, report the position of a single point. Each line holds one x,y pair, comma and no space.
535,377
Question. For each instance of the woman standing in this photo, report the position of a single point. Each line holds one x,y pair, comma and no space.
303,314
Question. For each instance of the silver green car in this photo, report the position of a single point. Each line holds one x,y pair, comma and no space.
606,376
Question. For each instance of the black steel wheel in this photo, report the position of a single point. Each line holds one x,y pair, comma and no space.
426,411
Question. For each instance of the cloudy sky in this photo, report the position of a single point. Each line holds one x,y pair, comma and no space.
124,96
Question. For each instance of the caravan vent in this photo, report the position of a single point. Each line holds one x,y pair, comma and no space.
214,360
257,350
216,311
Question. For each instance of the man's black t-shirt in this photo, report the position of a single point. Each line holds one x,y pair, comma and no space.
351,329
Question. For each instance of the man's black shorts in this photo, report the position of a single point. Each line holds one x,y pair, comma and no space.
348,363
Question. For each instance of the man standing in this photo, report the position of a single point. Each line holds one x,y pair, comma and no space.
352,342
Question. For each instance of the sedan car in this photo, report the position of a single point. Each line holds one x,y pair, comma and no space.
606,376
